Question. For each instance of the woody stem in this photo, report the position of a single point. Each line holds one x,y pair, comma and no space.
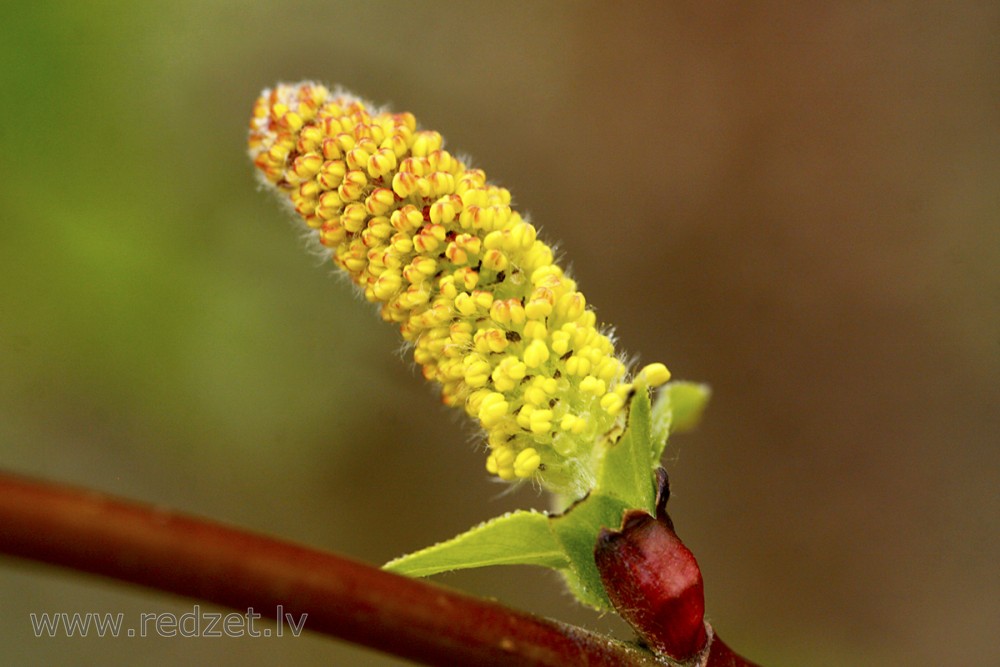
91,532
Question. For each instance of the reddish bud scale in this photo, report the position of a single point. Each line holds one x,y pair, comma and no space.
654,581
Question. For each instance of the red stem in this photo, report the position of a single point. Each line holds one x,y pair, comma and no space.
720,655
157,548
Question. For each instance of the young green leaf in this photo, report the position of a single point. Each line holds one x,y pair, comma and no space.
678,408
626,480
518,538
626,472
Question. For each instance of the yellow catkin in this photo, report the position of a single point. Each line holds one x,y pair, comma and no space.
491,318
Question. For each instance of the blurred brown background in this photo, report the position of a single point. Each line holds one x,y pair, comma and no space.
797,203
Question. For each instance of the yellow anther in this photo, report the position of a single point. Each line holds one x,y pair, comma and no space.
536,354
508,373
378,231
477,370
522,236
442,161
354,217
594,386
426,142
455,254
610,369
570,306
407,219
624,390
491,340
310,139
381,163
332,235
538,309
483,299
331,125
612,404
573,424
474,400
465,305
460,333
526,463
541,421
387,285
404,184
546,276
331,174
448,288
592,353
469,243
501,462
401,243
508,312
492,409
495,260
429,239
466,277
345,142
331,149
414,165
405,120
306,166
559,341
478,217
579,366
652,375
397,143
414,296
309,190
291,120
443,211
357,158
380,201
535,329
352,186
538,255
524,416
420,269
304,206
494,240
440,183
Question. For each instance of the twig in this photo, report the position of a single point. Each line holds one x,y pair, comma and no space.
157,548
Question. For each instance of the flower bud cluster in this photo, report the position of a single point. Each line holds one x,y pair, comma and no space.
491,318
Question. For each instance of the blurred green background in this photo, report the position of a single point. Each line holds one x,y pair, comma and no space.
798,204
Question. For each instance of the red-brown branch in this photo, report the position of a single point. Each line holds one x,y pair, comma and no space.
157,548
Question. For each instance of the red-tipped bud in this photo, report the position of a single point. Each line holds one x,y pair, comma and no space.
653,581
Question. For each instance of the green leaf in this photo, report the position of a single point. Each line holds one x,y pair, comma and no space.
577,530
565,542
678,408
626,472
517,538
689,400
